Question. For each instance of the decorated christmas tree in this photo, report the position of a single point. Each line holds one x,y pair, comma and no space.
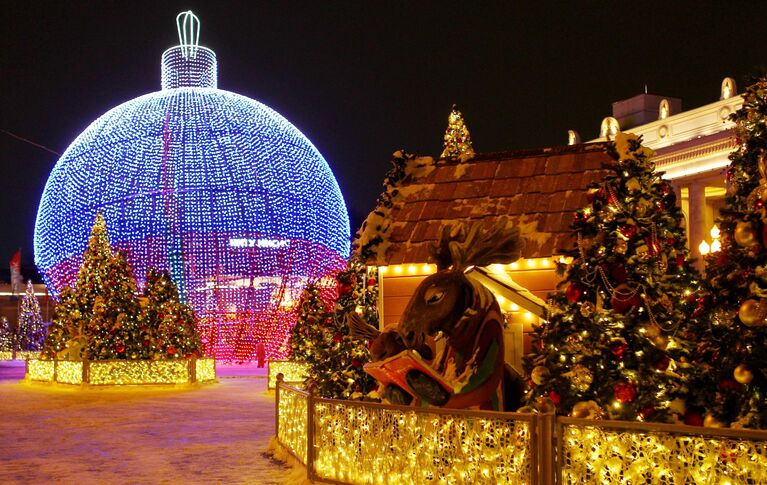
6,335
30,330
615,338
457,138
321,337
313,318
100,318
732,382
168,325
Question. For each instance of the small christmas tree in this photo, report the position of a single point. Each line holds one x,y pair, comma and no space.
457,138
169,325
99,320
30,330
313,318
321,338
6,335
731,384
615,334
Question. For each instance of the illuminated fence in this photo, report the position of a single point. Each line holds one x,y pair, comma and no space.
627,452
20,354
121,372
294,373
366,443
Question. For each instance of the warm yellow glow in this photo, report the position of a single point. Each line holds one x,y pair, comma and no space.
294,372
383,269
545,262
514,307
716,246
412,269
293,413
501,299
704,248
529,316
69,372
121,372
40,370
20,355
514,265
715,232
367,444
427,269
625,456
398,269
205,369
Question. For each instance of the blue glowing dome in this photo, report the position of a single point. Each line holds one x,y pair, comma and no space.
213,186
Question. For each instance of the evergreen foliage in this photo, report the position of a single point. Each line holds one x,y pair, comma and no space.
321,335
732,359
615,340
101,317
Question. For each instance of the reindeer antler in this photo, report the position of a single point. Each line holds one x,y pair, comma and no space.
500,244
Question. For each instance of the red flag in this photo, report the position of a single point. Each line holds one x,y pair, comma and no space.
16,279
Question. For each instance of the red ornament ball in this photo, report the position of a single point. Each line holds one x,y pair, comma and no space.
171,350
693,418
555,397
629,231
680,260
619,274
618,348
625,392
573,293
356,363
647,412
337,338
372,281
120,347
663,364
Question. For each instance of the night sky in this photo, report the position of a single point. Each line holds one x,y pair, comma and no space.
361,79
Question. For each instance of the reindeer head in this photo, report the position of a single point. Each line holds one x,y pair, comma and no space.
442,299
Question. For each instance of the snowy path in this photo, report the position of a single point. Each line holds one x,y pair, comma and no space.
209,434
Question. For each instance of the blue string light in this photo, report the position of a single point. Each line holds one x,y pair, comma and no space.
213,186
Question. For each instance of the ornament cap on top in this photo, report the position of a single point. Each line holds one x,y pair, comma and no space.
189,65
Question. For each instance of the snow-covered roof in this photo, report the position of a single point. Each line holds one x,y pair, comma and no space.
538,190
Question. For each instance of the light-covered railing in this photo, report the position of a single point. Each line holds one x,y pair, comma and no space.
19,355
294,373
353,442
626,452
121,372
369,443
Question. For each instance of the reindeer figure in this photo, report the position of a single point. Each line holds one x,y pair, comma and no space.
465,313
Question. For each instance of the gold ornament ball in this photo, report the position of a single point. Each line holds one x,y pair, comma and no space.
660,342
539,375
711,422
632,185
743,374
750,313
745,235
586,410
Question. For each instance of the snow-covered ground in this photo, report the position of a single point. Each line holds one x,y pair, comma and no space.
214,433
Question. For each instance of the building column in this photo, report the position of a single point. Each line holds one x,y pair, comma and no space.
697,219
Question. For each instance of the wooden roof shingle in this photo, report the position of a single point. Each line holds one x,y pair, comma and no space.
538,190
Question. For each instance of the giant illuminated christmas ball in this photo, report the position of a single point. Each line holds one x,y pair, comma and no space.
213,186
